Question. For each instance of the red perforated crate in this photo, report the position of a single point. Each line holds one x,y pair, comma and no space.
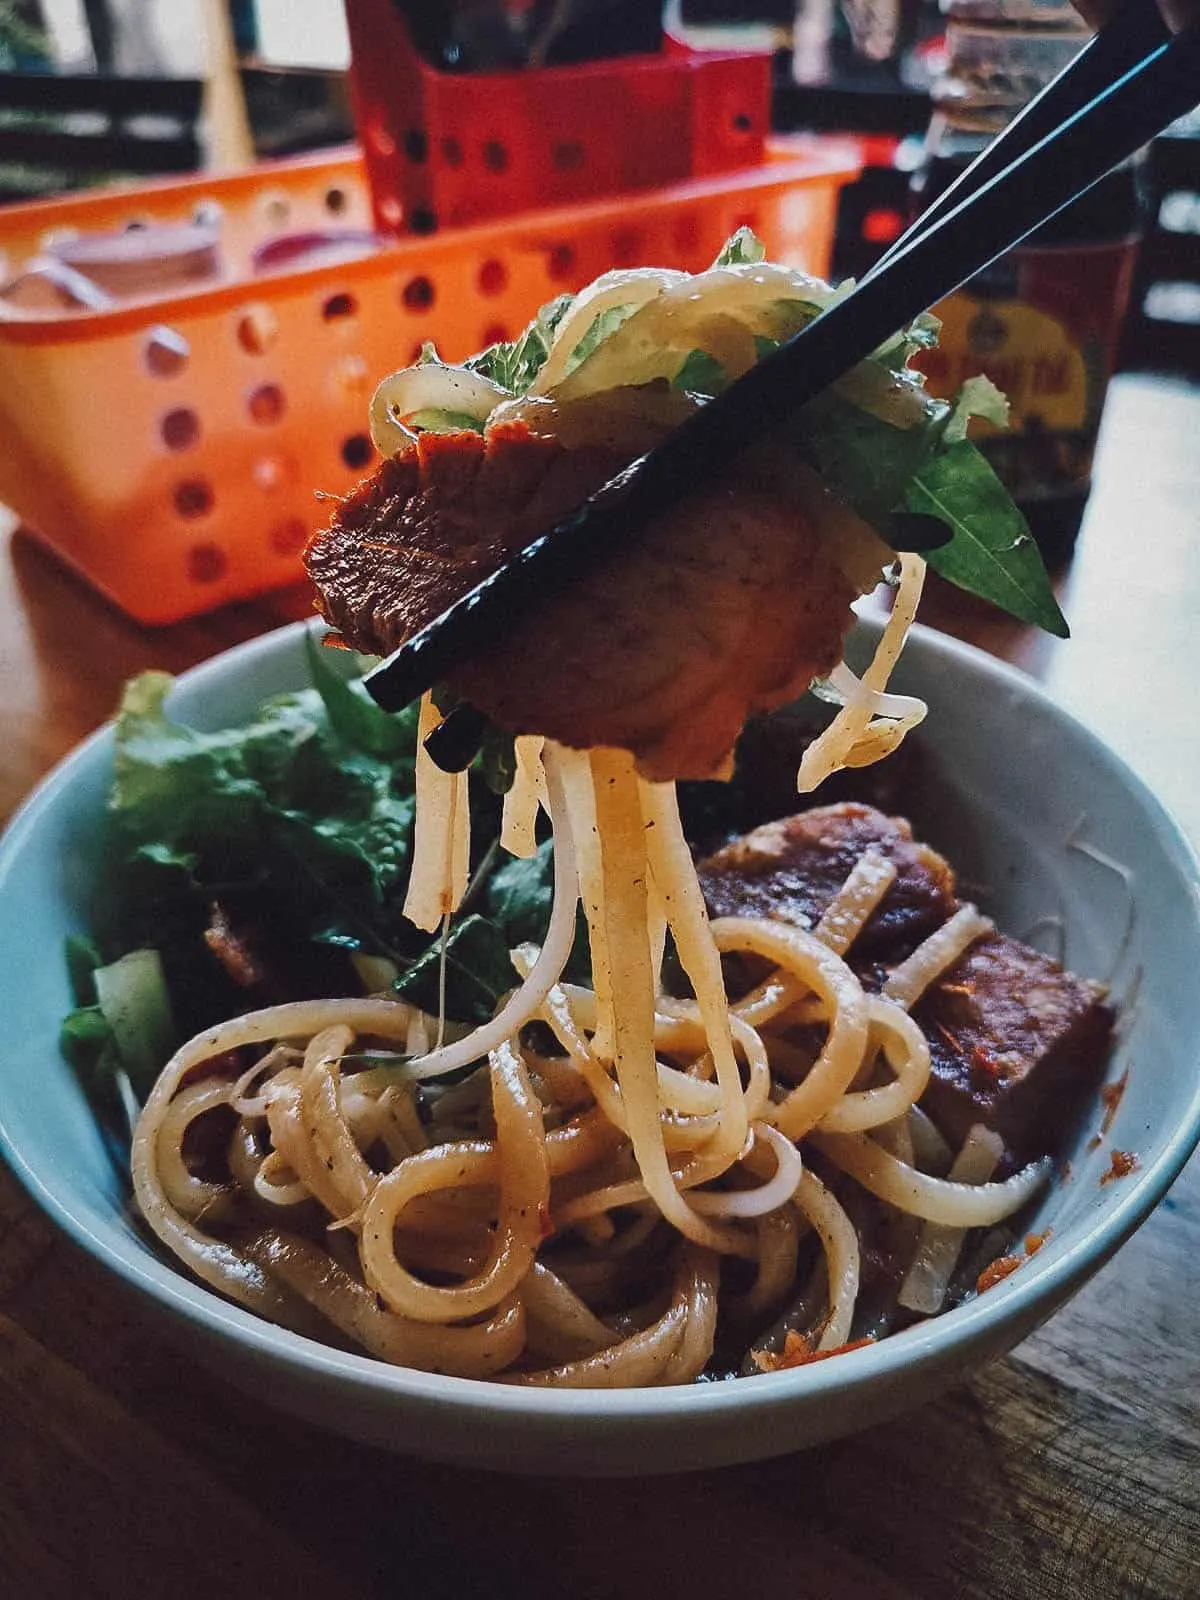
452,148
172,448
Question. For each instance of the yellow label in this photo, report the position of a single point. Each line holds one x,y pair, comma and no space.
1025,352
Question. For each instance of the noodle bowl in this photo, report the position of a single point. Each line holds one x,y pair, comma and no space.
1000,828
655,1142
621,1177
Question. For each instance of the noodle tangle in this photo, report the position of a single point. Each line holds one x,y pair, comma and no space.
616,1174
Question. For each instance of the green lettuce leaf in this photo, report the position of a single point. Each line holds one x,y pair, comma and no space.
298,824
295,828
978,397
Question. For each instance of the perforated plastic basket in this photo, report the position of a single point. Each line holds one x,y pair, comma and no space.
452,148
172,449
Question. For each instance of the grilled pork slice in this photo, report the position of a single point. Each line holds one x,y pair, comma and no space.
731,602
1016,1042
790,870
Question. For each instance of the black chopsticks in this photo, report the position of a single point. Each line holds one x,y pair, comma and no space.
1124,88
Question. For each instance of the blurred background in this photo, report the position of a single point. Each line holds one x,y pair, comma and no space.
289,198
94,91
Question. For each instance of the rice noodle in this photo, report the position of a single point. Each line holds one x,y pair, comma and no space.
837,745
854,692
290,1192
938,1247
958,1205
431,386
622,837
544,973
906,1051
441,834
839,989
906,983
675,880
524,1182
633,1363
518,826
769,1196
480,1350
844,918
842,1256
553,1307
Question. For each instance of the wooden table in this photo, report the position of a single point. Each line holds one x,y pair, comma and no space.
1070,1469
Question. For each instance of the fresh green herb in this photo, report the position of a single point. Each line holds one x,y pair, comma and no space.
700,374
742,249
434,419
518,900
479,971
353,716
498,759
86,1040
992,553
606,323
83,957
514,365
866,461
520,894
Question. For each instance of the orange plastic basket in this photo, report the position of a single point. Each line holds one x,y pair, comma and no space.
172,449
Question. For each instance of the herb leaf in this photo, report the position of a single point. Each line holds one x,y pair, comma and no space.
866,461
516,363
352,714
520,894
700,374
595,333
742,249
478,972
992,553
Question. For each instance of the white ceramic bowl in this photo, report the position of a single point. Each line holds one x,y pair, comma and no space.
1016,780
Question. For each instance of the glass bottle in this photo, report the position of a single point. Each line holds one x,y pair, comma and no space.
1043,322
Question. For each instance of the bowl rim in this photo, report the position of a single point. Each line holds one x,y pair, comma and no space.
1021,1298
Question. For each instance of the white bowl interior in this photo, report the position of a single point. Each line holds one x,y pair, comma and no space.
1061,840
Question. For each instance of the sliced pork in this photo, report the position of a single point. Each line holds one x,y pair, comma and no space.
729,603
1017,1043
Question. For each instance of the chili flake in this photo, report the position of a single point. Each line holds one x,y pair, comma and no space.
1123,1163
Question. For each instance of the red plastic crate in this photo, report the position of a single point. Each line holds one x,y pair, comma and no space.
445,149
